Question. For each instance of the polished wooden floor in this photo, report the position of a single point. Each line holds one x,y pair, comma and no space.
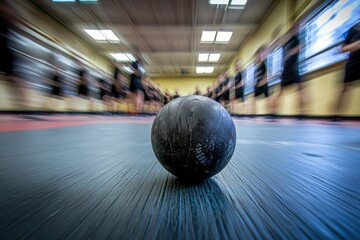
78,177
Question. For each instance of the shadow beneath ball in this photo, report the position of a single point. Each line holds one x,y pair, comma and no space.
185,182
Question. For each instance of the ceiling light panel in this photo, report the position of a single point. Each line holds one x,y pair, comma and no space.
208,36
122,57
209,69
130,57
200,69
109,35
128,69
203,57
214,57
223,36
63,0
204,69
238,2
95,34
219,1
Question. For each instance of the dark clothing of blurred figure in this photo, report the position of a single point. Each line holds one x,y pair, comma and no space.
352,70
290,73
56,86
135,81
239,87
260,72
83,89
6,55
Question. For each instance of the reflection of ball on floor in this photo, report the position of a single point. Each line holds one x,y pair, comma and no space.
193,137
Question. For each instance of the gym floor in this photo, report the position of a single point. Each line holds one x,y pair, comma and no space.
96,177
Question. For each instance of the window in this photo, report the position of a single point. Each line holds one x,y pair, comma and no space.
249,78
274,63
322,34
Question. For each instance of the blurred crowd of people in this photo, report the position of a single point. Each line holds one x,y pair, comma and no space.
145,95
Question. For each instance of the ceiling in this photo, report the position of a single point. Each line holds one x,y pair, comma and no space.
164,33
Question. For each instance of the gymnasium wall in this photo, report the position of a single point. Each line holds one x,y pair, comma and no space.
40,22
186,85
321,87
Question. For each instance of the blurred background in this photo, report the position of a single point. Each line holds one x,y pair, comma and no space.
52,48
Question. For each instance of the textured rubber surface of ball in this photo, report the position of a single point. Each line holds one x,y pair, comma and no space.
193,137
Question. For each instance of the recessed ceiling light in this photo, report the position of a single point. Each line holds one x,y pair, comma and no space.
95,34
130,57
122,57
74,0
223,36
203,57
101,35
204,69
208,36
214,57
200,69
63,0
219,1
209,69
128,69
109,35
238,2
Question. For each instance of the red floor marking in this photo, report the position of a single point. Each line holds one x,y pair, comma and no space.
37,125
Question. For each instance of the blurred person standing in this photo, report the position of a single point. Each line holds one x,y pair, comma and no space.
290,74
352,68
104,94
83,86
56,84
261,84
208,92
103,90
219,87
119,90
167,97
239,86
8,19
176,95
197,90
136,86
226,86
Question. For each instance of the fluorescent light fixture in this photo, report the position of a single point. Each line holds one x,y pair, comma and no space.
130,57
214,57
95,34
203,57
122,57
63,0
208,69
128,69
109,35
204,69
102,35
74,0
200,69
223,36
219,1
208,36
238,2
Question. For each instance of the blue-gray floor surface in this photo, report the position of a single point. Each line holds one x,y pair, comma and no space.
102,181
